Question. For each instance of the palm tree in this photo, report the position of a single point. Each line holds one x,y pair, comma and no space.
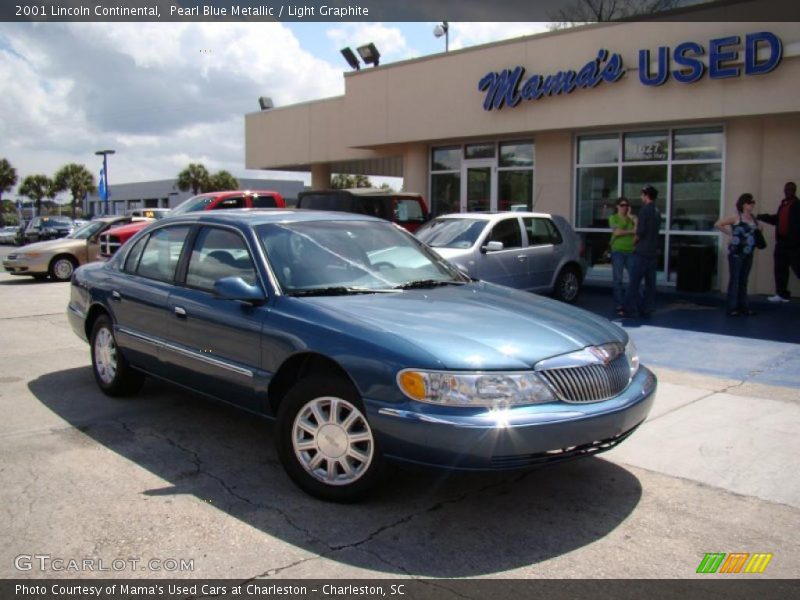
37,187
77,179
222,180
195,177
8,179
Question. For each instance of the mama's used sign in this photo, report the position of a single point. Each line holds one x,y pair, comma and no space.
509,87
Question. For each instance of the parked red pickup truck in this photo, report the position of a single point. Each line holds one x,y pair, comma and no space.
113,239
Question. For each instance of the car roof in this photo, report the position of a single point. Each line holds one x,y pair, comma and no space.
494,215
367,192
261,216
229,193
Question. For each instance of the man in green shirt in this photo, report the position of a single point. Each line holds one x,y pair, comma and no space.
623,229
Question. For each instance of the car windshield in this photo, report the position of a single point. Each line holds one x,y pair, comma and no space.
87,231
451,233
346,257
193,204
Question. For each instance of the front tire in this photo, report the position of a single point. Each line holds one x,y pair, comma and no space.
326,443
62,268
113,373
568,285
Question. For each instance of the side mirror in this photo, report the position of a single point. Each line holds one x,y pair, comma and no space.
235,288
492,247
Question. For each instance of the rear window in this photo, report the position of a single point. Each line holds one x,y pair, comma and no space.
264,202
372,206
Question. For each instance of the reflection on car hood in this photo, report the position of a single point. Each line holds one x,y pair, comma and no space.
476,326
53,245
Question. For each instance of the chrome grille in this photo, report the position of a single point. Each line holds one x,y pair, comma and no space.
589,383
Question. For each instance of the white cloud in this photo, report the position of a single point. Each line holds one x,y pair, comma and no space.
463,35
161,94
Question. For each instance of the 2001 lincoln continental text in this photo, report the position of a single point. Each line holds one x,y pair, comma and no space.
362,343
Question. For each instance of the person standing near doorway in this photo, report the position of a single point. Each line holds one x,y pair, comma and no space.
741,229
623,229
644,262
787,241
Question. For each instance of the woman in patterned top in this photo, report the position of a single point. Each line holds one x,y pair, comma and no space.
741,228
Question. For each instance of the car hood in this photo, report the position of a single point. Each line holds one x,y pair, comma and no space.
452,253
475,326
58,245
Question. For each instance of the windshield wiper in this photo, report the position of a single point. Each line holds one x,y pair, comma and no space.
426,283
338,290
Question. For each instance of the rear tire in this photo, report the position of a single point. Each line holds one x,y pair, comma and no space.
568,285
113,373
62,268
325,442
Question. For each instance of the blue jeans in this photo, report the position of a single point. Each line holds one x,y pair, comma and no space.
739,266
620,262
642,268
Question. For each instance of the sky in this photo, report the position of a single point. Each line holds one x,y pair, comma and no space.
166,94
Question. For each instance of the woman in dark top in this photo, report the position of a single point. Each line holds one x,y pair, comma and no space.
741,228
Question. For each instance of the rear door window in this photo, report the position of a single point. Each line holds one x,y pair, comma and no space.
541,231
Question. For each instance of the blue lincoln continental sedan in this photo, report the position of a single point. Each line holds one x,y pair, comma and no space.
361,342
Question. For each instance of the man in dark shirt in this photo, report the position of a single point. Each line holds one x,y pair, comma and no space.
787,241
645,258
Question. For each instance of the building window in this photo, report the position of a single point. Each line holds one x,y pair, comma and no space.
482,176
445,180
683,164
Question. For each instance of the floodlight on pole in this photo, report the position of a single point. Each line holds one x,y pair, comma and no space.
369,54
443,29
351,58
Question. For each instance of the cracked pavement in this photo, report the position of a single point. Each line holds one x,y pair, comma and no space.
166,474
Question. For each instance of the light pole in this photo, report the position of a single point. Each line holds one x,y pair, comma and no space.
443,29
104,154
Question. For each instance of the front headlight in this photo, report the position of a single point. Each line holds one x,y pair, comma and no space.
633,356
489,389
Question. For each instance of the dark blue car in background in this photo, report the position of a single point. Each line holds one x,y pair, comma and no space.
362,342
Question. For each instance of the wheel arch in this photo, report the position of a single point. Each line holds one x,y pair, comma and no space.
95,312
298,366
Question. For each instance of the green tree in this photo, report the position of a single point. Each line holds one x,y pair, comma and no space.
221,180
195,177
343,181
8,179
37,187
76,179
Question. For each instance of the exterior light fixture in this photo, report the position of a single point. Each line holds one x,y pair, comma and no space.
369,54
265,103
443,29
351,58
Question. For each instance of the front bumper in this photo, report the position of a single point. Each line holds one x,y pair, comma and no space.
24,266
516,438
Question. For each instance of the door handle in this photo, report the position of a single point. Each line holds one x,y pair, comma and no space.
116,296
180,312
522,257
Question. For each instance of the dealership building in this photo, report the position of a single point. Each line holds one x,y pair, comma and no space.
568,121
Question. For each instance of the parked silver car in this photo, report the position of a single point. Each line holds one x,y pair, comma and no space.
530,251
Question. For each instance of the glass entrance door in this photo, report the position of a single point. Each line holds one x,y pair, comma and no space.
480,186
